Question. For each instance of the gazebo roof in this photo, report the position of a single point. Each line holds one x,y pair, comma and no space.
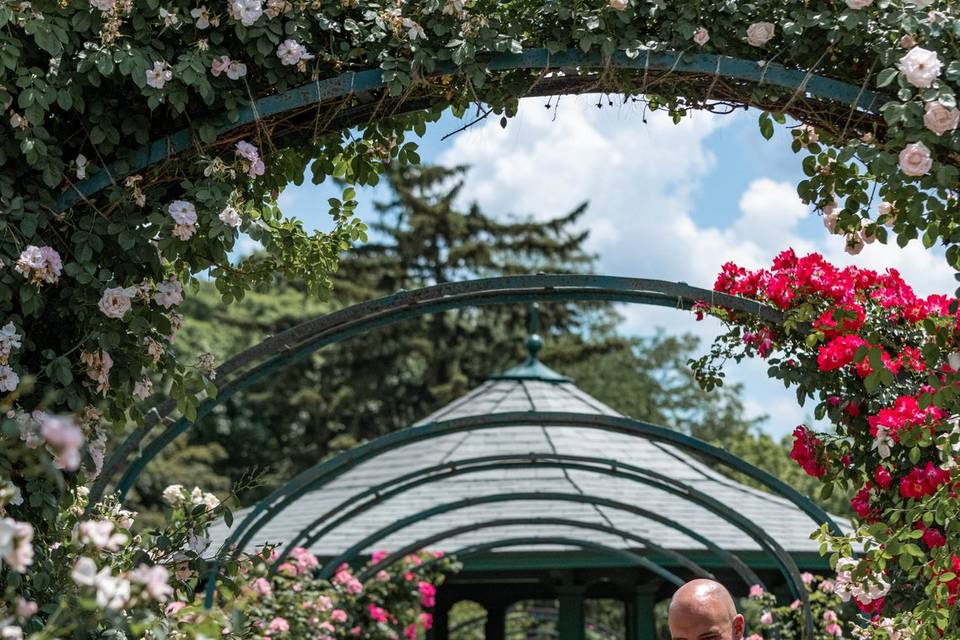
533,387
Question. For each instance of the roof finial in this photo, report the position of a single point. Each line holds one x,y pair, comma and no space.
534,342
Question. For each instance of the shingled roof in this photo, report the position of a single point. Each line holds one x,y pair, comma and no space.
534,387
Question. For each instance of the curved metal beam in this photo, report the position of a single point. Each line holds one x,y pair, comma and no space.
372,79
382,492
635,558
267,508
300,342
787,566
393,557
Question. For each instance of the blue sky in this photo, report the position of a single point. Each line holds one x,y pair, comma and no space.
666,201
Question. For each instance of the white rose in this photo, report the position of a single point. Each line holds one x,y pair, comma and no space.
760,33
173,494
182,212
701,36
115,302
920,67
940,119
859,4
915,159
619,5
230,217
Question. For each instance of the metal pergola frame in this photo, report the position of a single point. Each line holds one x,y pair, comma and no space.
352,82
298,343
381,493
422,543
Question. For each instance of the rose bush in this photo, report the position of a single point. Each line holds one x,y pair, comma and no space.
882,364
769,620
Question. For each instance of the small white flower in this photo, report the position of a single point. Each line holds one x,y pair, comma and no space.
142,389
230,217
920,67
760,33
246,11
81,163
236,70
291,52
182,212
173,494
169,293
84,572
201,17
169,18
9,380
159,75
618,5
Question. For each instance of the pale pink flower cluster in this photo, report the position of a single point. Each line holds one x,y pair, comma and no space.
169,293
113,592
756,591
865,589
154,579
16,544
245,11
65,439
142,389
100,535
159,75
173,494
252,162
98,365
832,627
9,340
198,497
232,68
39,264
292,52
915,159
939,119
184,216
347,580
116,301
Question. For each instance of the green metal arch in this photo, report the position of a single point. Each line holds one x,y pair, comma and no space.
393,557
383,492
633,557
267,508
352,82
300,342
787,566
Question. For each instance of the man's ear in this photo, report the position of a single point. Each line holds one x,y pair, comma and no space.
738,626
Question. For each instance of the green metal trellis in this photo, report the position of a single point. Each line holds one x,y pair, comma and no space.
422,543
352,82
300,342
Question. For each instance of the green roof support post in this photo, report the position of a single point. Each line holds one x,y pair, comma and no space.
641,624
495,627
571,624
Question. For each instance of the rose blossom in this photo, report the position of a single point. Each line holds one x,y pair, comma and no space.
920,67
859,4
246,11
915,159
619,5
236,70
66,439
159,75
169,293
9,380
939,118
766,618
115,302
154,580
291,52
39,264
16,544
760,33
230,217
701,36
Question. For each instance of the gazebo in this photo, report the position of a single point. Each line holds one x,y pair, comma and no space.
545,493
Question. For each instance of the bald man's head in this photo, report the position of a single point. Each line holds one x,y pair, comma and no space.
704,610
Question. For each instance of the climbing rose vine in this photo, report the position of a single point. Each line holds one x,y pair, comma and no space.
882,365
769,620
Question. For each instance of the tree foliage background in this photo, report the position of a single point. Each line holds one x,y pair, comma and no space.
391,378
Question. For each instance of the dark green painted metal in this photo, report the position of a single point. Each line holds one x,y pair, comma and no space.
385,491
267,508
413,547
298,343
786,564
372,79
633,558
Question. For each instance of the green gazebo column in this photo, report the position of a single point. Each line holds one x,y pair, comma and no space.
570,621
441,624
641,624
495,627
